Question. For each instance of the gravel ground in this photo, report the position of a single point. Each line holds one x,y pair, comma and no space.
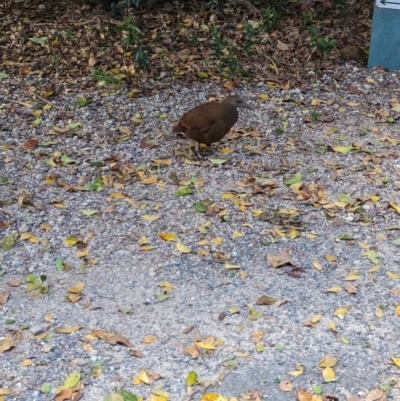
128,269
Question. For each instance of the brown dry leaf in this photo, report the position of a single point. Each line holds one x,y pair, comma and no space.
7,343
286,385
119,339
73,297
317,265
350,289
63,395
3,297
136,353
376,395
265,300
67,330
303,395
395,291
279,260
193,351
30,144
150,180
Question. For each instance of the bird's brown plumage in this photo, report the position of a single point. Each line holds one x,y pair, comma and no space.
210,122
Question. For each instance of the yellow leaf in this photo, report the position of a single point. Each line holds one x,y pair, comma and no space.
45,226
4,391
165,162
299,370
182,248
143,376
143,240
150,217
227,196
340,312
330,258
26,362
332,326
25,236
71,241
327,362
228,266
203,242
59,205
364,245
125,130
167,236
353,276
311,235
334,289
370,80
81,254
150,180
236,234
77,288
204,345
395,206
149,339
116,195
217,240
317,265
146,248
315,318
328,374
396,361
374,269
67,330
316,102
263,96
378,312
213,397
71,381
393,275
398,310
226,150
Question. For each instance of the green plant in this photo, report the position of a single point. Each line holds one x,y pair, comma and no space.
272,14
306,18
54,59
250,30
131,32
315,116
320,43
107,77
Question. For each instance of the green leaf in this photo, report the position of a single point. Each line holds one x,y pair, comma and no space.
199,207
218,162
34,286
67,161
183,191
39,41
127,395
60,264
30,278
3,75
396,241
2,272
9,321
201,74
88,212
191,379
294,180
45,388
161,297
260,347
96,164
8,242
343,149
279,347
94,186
346,237
317,389
47,144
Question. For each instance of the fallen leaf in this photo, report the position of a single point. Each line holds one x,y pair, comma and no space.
279,260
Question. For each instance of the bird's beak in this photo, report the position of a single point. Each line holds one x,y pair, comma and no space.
246,106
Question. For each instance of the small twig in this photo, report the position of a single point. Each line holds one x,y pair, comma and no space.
21,103
48,102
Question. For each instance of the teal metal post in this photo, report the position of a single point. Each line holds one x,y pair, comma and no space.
384,47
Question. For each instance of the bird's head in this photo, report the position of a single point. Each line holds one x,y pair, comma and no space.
237,101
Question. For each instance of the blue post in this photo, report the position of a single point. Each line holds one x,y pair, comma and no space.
385,37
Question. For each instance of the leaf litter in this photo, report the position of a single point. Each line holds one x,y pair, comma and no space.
213,232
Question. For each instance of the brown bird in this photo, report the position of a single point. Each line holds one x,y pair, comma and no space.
210,122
